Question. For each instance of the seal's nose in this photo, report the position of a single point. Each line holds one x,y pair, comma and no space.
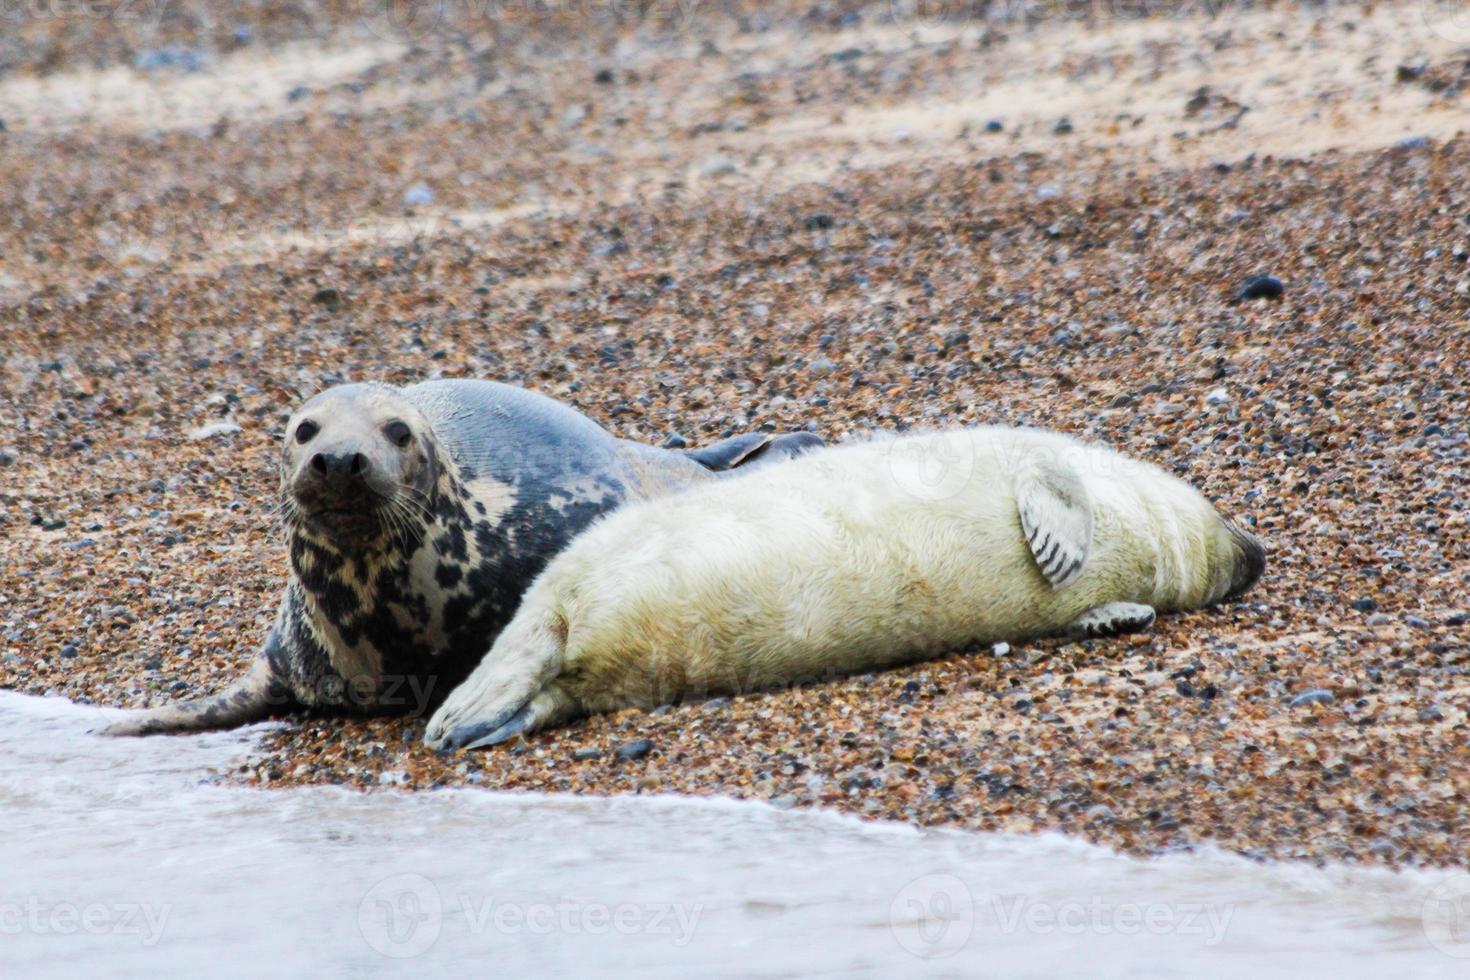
340,470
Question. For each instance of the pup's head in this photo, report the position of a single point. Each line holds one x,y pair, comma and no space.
358,462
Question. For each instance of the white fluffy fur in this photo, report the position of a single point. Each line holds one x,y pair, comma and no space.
847,560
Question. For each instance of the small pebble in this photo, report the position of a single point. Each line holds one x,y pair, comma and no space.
1261,287
182,59
212,430
635,750
717,166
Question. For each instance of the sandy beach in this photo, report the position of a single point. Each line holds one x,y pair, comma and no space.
705,219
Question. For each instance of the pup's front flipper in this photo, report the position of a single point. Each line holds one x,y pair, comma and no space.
513,691
550,706
1056,517
1110,619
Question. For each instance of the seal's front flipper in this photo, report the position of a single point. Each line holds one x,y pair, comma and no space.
550,706
512,691
1110,619
1056,518
253,697
754,448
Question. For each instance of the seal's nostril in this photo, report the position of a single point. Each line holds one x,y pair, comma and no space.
319,463
358,465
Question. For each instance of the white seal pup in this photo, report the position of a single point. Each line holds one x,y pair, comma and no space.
856,558
415,518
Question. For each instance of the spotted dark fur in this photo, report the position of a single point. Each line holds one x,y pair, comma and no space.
393,619
427,635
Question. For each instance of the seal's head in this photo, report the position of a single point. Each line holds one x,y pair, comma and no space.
358,462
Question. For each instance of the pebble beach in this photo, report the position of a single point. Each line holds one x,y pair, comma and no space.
1234,241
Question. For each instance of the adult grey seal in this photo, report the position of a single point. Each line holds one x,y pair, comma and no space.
416,518
849,560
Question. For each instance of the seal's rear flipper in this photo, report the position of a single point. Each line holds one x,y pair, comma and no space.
754,448
253,697
1110,619
513,691
1250,561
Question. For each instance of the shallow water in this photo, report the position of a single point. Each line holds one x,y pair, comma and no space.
121,859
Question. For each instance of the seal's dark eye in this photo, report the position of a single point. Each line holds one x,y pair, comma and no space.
398,433
306,430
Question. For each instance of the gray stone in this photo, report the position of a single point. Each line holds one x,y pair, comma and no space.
1317,696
